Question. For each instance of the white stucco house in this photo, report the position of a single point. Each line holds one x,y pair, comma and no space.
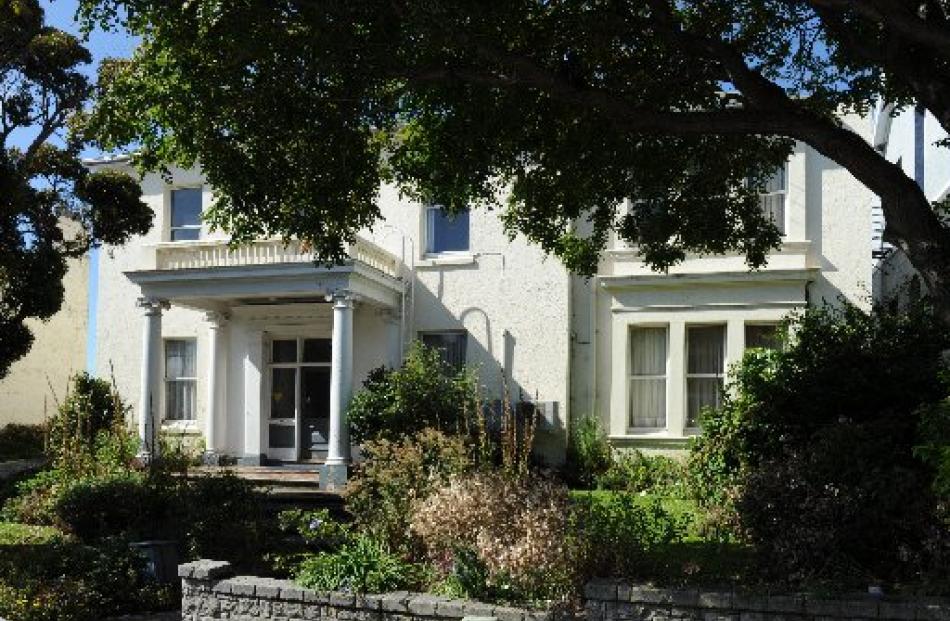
258,350
908,137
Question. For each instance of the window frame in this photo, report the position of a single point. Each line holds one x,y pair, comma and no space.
168,381
453,332
630,378
687,375
783,193
429,237
188,227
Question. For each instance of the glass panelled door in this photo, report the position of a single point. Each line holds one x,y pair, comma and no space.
299,398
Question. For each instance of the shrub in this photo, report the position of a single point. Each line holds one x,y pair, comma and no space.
362,564
398,473
611,531
21,441
91,406
517,527
634,471
934,445
423,392
589,455
812,453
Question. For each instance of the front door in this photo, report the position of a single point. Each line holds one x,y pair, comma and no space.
299,398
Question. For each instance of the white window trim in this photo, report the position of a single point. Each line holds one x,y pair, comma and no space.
647,431
169,229
763,196
178,423
694,430
444,257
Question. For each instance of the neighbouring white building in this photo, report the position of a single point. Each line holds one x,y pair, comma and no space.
910,138
257,350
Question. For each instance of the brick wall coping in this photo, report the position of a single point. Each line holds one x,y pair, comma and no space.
218,577
604,595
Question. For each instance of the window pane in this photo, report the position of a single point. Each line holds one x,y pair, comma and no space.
765,336
648,403
648,351
701,392
284,351
315,392
446,232
180,358
706,347
282,394
180,400
185,234
317,350
451,346
776,182
186,207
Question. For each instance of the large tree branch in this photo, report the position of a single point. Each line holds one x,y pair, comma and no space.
897,18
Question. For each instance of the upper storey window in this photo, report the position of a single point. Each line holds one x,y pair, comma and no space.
185,214
446,232
773,198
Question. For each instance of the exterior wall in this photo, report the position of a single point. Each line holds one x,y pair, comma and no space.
608,600
908,137
512,301
824,258
29,392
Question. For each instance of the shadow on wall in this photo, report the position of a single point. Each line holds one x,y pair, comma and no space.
495,369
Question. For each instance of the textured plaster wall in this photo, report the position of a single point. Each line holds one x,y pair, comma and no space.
511,298
35,382
825,256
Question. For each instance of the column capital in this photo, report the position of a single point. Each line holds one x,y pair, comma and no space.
217,318
341,298
152,306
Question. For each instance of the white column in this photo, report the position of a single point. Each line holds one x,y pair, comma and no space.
253,396
215,356
150,387
341,378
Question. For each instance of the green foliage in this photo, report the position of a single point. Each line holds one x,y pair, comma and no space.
45,576
635,471
812,456
52,208
21,441
91,407
317,529
422,393
613,531
363,565
398,473
589,455
934,445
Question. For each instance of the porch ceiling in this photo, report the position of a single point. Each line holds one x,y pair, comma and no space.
217,287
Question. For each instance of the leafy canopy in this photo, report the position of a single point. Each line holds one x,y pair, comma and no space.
555,111
44,185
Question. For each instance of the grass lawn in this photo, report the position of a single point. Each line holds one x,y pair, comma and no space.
14,534
693,560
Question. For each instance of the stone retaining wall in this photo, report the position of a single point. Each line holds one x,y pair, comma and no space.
610,600
211,591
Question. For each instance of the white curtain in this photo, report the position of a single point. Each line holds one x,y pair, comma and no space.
648,377
180,379
706,348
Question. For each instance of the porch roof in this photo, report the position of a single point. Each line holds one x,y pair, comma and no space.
210,275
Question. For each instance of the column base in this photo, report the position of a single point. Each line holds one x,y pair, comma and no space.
333,477
251,460
211,458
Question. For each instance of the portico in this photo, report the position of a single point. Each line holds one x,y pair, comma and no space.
281,349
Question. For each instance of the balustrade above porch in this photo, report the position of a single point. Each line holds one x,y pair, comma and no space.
212,253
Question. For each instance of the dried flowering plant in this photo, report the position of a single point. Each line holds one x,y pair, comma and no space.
517,527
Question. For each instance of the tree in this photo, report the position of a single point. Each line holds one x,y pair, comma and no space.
297,110
43,185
